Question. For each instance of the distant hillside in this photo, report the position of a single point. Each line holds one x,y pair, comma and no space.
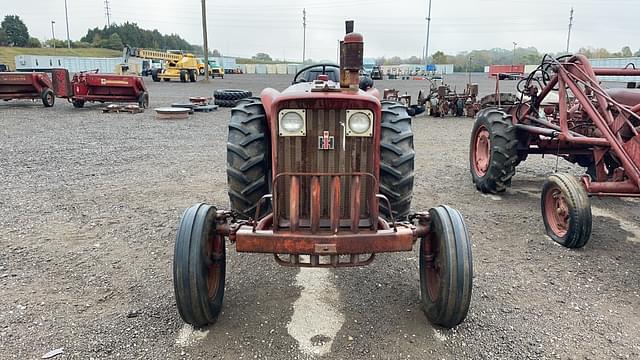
8,54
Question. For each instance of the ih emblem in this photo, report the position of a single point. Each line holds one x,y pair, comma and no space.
325,142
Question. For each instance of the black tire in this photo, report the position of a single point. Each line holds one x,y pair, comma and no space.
566,211
248,157
201,72
493,175
154,75
78,104
225,103
199,267
143,100
48,97
231,94
193,75
446,268
183,75
397,158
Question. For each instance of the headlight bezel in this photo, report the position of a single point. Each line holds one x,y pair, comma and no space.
368,132
300,112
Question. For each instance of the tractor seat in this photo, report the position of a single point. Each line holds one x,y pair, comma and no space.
629,97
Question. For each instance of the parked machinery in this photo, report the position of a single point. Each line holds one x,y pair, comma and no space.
563,110
336,165
177,65
21,85
442,101
94,86
376,73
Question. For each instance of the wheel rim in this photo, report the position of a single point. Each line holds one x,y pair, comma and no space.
481,151
214,255
49,99
434,269
556,210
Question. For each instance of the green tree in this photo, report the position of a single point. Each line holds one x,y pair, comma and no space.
262,57
626,51
4,39
439,57
16,30
114,42
33,43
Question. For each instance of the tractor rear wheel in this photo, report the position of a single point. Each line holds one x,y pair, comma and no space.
248,157
199,266
493,151
183,75
446,268
154,75
143,100
193,75
396,159
78,104
48,97
566,211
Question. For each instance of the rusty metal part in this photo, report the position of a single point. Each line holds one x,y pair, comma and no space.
351,53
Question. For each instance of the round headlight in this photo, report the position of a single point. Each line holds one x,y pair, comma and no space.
292,122
359,123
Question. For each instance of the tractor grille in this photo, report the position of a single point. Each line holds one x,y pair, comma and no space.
301,155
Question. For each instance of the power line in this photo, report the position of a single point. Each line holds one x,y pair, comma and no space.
107,11
570,25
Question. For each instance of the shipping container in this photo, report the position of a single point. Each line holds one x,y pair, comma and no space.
261,68
272,69
618,63
73,64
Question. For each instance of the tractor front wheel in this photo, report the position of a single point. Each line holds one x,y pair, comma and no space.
248,160
566,211
446,268
199,266
183,75
48,97
397,158
493,151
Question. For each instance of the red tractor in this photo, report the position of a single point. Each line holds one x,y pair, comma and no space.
562,109
321,175
20,85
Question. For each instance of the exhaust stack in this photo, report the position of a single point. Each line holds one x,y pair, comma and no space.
351,52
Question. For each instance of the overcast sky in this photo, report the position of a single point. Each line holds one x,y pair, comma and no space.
242,28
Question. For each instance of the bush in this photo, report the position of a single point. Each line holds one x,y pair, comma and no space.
33,43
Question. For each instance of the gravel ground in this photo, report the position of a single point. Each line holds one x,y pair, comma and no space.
90,203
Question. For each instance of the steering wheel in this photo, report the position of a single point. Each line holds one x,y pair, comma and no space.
324,71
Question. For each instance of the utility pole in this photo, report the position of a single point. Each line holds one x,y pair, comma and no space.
513,57
107,11
570,25
426,48
53,35
205,45
304,34
66,16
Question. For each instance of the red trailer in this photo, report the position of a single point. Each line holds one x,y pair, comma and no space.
504,70
108,87
19,85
